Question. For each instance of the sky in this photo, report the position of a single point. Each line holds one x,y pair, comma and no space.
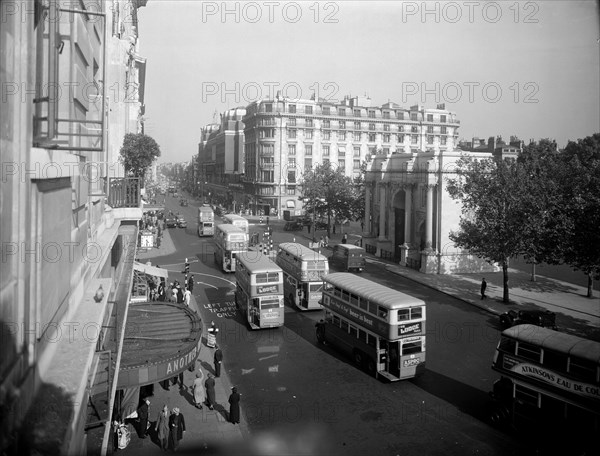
524,68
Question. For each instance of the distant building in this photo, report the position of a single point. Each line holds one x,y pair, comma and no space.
284,137
495,146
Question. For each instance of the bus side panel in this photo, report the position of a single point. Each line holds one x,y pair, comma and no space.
345,342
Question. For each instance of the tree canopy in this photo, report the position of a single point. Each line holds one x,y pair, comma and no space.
138,153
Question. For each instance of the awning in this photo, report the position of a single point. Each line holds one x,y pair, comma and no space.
150,270
290,204
161,340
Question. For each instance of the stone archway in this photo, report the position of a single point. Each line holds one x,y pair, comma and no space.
398,224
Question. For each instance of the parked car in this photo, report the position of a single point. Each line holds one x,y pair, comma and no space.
293,226
181,222
171,222
543,318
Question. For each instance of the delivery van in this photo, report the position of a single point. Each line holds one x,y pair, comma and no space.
348,257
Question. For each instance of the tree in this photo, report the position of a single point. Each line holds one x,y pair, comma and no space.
493,210
581,204
329,190
138,153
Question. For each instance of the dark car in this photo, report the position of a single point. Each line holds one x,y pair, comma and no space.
171,222
293,226
543,318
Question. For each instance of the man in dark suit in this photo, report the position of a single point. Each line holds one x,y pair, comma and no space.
143,417
218,359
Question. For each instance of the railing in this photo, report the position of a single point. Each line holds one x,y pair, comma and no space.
124,192
413,263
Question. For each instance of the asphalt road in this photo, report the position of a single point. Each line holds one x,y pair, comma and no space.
305,398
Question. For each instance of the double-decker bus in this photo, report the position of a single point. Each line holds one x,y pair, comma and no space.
550,383
303,269
382,329
206,221
259,290
229,242
236,220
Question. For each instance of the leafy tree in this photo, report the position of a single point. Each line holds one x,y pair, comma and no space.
581,192
491,225
138,153
328,190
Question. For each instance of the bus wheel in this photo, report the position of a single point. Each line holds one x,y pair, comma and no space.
371,366
358,358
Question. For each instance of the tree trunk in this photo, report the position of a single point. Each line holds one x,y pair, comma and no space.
505,282
328,223
590,287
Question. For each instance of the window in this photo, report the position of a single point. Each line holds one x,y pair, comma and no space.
443,141
411,347
371,137
443,130
336,320
326,124
357,136
400,139
267,162
401,128
382,312
326,110
342,124
429,128
353,331
267,176
341,111
356,164
386,114
410,314
371,126
362,336
442,119
266,133
291,190
357,125
307,163
357,113
292,149
430,140
386,127
291,122
308,149
414,116
268,107
308,134
529,351
292,134
399,115
372,114
583,368
292,162
414,129
342,135
357,151
292,175
292,109
414,139
344,325
342,163
341,152
267,149
327,135
429,117
325,151
309,123
308,109
386,138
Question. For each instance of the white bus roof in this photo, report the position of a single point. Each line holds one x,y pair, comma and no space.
234,217
556,341
227,228
372,291
256,262
301,251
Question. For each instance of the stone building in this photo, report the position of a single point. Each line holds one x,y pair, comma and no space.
74,86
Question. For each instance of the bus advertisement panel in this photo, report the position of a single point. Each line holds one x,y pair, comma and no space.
236,220
303,270
550,383
229,242
381,328
259,290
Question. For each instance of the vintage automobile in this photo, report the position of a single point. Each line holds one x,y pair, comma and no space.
181,222
183,202
294,225
543,318
171,222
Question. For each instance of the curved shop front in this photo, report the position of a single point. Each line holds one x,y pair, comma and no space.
161,341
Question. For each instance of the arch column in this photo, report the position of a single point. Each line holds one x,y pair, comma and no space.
405,248
367,220
382,212
428,255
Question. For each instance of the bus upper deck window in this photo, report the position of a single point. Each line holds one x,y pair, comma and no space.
381,312
403,314
416,312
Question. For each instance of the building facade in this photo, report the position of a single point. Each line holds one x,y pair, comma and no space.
284,137
69,219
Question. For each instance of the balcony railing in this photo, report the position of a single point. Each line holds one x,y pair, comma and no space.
124,192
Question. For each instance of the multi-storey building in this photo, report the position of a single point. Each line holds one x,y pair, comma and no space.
495,146
284,137
221,159
72,87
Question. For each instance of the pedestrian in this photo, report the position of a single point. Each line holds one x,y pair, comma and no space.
218,359
187,295
321,242
209,384
267,219
180,298
191,283
162,428
176,428
234,406
344,238
199,393
326,241
142,412
173,293
483,287
161,291
158,241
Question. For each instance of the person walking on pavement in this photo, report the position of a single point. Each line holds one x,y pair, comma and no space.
199,394
218,359
234,406
143,411
173,293
209,384
176,428
162,428
187,296
483,287
180,298
326,239
191,283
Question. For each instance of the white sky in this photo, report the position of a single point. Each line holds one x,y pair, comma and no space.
543,56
